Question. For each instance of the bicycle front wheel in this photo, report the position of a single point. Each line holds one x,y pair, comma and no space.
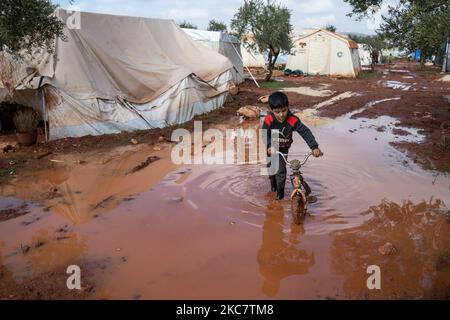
298,205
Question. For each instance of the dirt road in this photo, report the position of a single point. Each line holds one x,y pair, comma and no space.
214,232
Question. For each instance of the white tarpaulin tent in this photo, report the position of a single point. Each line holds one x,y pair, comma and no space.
223,43
325,53
119,73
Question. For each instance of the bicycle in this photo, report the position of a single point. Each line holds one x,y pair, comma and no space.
300,196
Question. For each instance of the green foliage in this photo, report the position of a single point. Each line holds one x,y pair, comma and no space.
187,25
421,25
217,26
363,8
28,24
412,24
264,27
330,27
275,85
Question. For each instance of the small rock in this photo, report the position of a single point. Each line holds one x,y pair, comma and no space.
161,139
387,249
157,148
134,141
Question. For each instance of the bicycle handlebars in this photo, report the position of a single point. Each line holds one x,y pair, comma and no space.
297,164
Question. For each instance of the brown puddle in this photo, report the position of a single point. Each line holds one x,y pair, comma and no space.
213,232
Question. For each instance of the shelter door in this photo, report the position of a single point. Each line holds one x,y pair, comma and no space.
318,56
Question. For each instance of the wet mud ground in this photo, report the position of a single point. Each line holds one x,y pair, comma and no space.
214,231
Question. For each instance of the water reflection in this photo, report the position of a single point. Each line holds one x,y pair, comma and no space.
419,268
278,257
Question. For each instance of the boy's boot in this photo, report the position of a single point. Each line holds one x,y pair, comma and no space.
273,183
280,193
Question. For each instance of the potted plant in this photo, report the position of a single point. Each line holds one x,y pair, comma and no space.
26,122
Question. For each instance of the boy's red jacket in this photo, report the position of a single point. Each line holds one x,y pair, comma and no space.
285,129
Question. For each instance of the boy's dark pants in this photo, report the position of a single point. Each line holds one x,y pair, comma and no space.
278,181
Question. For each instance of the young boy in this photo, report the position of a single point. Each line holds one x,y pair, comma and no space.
282,120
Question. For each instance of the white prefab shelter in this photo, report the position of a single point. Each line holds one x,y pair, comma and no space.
223,43
325,53
118,73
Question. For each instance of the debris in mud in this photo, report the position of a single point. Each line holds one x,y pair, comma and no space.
381,129
9,148
27,223
144,164
56,161
25,248
387,249
39,244
134,141
400,132
157,148
103,203
249,112
264,99
12,213
124,259
352,130
80,162
43,155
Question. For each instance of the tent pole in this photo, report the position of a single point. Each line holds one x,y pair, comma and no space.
44,106
246,67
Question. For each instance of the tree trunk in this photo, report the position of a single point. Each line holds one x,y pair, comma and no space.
273,55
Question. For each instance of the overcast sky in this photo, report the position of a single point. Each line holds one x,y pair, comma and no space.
305,13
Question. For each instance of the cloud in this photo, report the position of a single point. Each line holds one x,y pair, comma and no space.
305,13
319,21
315,6
188,14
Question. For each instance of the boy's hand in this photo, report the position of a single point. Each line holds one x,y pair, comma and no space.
317,153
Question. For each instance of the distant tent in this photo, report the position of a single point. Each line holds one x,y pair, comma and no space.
119,73
252,59
325,53
223,43
364,54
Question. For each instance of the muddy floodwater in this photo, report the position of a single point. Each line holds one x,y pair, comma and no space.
214,231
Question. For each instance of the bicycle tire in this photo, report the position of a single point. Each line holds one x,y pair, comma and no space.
298,208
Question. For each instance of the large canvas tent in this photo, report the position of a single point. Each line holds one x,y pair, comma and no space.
118,73
325,53
223,43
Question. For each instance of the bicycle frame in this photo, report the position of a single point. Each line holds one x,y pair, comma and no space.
300,188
